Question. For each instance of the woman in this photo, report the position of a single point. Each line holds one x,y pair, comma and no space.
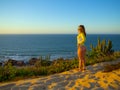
81,38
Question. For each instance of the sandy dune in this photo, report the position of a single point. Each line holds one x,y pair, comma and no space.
93,78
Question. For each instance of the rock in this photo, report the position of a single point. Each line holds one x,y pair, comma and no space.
20,63
0,63
14,62
32,61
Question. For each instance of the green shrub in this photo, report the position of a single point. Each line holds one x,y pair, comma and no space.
117,54
7,72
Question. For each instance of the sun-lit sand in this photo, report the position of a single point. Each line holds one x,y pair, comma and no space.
93,78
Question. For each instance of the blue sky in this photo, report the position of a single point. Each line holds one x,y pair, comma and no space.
59,16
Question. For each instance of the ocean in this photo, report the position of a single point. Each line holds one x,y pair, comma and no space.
24,47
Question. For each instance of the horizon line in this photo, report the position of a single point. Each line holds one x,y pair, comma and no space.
61,34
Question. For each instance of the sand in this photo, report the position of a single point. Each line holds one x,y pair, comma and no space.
92,79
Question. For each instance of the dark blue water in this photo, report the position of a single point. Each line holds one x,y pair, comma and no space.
24,47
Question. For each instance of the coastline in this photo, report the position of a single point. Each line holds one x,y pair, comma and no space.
92,78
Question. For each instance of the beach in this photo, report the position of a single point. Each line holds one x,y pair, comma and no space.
93,78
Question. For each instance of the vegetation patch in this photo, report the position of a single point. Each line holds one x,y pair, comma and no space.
41,67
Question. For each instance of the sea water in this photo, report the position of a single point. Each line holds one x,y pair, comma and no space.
24,47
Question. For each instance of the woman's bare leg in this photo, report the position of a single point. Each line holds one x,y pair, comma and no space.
83,64
83,58
79,58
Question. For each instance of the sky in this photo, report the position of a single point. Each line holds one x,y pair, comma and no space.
59,16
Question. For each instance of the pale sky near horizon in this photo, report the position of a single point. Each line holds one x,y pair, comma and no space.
59,16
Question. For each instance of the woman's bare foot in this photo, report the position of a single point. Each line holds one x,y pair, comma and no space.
83,69
79,69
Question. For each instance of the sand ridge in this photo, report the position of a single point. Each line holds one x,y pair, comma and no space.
93,78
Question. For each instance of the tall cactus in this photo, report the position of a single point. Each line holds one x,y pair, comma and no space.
98,40
98,47
102,47
91,46
109,46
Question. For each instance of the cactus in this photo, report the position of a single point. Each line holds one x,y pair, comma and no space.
47,57
109,46
99,45
98,40
102,48
91,46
